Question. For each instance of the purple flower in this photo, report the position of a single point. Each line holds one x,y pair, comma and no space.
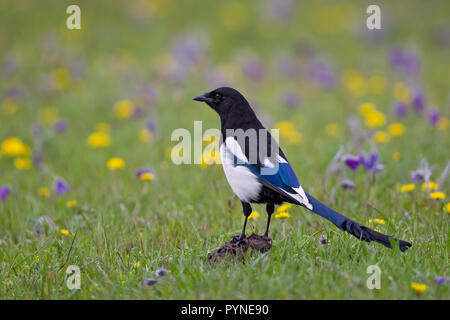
13,93
37,158
416,175
253,68
151,124
291,99
148,95
323,240
352,162
279,10
4,192
370,161
150,282
400,110
60,126
320,73
9,67
188,50
441,279
141,171
433,116
137,113
347,185
161,272
61,187
286,66
418,102
404,60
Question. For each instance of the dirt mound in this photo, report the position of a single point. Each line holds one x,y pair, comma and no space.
236,248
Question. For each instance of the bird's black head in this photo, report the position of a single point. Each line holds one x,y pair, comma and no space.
225,100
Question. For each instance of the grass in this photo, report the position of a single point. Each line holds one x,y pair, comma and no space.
122,229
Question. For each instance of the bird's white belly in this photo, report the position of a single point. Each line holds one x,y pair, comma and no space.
243,183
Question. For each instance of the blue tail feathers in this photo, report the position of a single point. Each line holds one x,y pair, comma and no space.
354,228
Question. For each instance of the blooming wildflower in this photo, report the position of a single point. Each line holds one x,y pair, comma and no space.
366,107
418,102
60,78
115,163
418,288
376,220
333,129
137,265
404,60
99,139
288,131
447,207
437,195
61,187
150,282
377,84
145,135
371,162
4,192
64,232
323,240
441,280
253,68
400,110
291,99
352,162
45,192
347,185
442,123
321,73
22,163
9,106
210,157
124,109
161,272
71,204
284,207
253,215
431,186
146,176
282,215
103,127
401,92
396,129
356,84
142,171
13,147
48,115
151,125
381,136
374,118
60,126
433,117
407,187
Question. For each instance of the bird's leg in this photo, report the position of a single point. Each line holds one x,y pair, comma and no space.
270,209
247,211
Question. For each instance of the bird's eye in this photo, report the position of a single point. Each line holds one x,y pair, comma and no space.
218,96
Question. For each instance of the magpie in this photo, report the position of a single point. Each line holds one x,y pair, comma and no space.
258,171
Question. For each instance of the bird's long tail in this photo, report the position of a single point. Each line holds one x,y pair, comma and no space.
354,228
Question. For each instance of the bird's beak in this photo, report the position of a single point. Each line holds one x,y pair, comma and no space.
203,98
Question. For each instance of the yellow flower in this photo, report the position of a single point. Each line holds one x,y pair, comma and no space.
253,215
380,221
282,215
14,147
431,185
99,139
45,192
333,129
210,157
288,131
234,15
418,288
381,136
115,163
284,207
64,232
60,78
447,207
356,84
9,106
124,109
146,176
396,129
437,195
48,115
377,84
442,123
401,92
374,118
366,108
396,156
22,163
71,204
145,135
407,187
137,265
103,127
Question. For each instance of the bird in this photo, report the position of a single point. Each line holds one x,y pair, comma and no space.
259,172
